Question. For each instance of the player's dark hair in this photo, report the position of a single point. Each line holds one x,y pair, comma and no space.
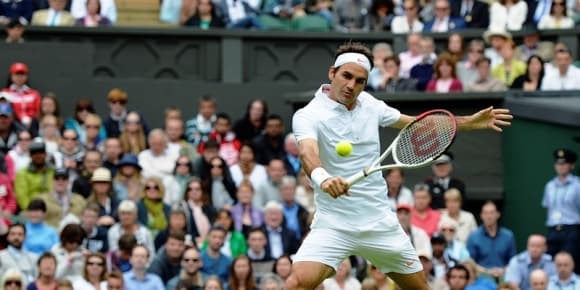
355,47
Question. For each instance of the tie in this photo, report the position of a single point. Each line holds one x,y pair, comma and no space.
53,20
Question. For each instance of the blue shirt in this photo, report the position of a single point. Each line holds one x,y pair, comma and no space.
491,252
291,217
520,267
40,238
481,284
562,200
555,284
150,282
216,266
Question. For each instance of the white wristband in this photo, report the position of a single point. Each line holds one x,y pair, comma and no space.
319,175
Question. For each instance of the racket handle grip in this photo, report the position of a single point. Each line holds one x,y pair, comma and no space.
356,178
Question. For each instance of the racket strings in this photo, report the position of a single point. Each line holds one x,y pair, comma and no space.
425,139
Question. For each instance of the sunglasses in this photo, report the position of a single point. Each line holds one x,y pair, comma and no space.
81,109
69,138
13,282
95,264
448,230
194,260
182,163
409,8
118,102
152,187
217,166
92,126
24,139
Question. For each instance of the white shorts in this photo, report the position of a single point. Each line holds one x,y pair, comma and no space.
388,250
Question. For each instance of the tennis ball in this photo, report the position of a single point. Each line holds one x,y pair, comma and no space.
343,148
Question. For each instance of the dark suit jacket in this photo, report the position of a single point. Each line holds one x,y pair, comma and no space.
266,150
478,16
437,191
454,24
289,242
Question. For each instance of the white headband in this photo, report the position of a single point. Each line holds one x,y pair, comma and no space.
353,57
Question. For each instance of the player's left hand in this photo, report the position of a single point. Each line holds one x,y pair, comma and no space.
491,118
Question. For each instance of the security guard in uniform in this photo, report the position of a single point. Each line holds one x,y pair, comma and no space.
562,201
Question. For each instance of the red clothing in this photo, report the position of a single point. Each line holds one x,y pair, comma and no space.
455,86
25,102
229,146
7,198
429,223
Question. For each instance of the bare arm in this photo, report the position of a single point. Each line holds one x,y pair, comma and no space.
488,118
310,160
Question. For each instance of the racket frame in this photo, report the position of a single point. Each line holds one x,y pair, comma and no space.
374,167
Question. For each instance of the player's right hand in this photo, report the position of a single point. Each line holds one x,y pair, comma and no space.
335,186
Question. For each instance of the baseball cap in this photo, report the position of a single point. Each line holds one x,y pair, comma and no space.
404,206
5,109
425,254
446,157
564,155
37,147
61,172
438,238
18,68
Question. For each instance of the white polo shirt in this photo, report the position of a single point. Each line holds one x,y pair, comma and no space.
329,122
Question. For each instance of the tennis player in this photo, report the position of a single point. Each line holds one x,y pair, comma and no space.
356,220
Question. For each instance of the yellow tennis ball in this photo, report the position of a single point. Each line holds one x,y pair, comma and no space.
343,148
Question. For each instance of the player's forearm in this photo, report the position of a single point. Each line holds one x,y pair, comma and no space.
309,162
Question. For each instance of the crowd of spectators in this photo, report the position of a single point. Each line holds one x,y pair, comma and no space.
104,201
398,16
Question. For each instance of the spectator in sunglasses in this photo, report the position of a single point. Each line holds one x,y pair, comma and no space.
94,273
153,212
83,109
117,100
176,183
12,280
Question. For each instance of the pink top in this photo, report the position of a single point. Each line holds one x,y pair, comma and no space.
429,223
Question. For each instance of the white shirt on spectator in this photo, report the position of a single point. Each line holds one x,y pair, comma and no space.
81,284
143,236
440,25
555,81
78,9
257,177
401,25
494,56
408,61
502,18
157,165
549,22
466,224
350,284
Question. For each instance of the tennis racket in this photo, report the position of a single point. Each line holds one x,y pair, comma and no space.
417,145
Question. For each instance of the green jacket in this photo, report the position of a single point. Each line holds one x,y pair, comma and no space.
30,183
238,244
